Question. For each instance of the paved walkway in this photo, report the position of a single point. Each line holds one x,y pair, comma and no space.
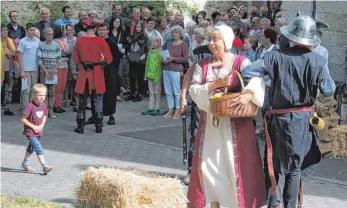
152,143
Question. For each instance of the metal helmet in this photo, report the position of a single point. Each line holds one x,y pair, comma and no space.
302,30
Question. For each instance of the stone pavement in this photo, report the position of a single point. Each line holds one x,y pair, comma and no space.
151,143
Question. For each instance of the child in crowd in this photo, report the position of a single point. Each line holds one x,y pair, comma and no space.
153,75
248,44
34,119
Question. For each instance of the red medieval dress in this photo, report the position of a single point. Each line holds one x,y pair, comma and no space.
91,49
227,165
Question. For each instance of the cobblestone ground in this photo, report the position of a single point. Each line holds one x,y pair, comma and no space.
151,143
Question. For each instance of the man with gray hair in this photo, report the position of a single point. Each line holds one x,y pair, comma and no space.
146,14
48,58
282,41
45,22
82,15
265,23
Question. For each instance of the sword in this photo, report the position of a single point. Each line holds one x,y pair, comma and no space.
185,145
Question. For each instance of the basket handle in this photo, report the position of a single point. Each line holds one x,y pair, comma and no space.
240,78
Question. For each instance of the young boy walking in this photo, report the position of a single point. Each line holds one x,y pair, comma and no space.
34,118
153,75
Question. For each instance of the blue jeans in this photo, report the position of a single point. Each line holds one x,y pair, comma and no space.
34,145
172,82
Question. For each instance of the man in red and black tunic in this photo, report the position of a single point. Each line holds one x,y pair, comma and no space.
90,53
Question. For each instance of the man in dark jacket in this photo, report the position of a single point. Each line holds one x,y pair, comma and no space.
45,22
82,15
297,74
15,31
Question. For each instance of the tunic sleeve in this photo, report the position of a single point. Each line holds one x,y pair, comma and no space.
198,91
256,84
325,82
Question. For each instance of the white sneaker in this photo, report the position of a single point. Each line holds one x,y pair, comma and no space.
51,115
119,98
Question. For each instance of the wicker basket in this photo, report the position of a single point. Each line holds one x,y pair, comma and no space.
219,107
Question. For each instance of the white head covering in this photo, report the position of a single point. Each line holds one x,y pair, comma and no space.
228,35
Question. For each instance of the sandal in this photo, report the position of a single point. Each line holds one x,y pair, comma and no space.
169,114
177,114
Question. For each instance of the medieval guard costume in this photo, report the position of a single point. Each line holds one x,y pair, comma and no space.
298,74
89,54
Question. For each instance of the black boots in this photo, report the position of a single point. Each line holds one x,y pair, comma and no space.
98,122
80,126
111,121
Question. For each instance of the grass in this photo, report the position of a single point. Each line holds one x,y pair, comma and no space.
21,202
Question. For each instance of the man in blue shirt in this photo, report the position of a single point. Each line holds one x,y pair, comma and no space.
27,50
67,17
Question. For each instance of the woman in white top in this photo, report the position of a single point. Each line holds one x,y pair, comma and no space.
227,169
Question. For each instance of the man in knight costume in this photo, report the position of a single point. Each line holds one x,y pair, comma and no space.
298,74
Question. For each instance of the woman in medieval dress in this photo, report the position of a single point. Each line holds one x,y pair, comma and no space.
227,169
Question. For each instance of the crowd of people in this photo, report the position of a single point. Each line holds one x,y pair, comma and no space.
122,58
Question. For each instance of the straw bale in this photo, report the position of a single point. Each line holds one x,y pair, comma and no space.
339,135
128,188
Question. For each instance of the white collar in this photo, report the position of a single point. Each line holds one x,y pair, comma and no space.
269,49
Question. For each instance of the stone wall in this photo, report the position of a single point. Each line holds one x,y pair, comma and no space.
334,38
29,10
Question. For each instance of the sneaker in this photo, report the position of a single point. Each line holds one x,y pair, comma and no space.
148,111
47,169
62,110
51,114
74,109
27,167
169,114
67,104
57,110
7,112
177,114
119,98
155,112
138,98
130,97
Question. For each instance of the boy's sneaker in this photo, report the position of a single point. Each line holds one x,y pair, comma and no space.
27,167
51,114
155,112
147,112
47,169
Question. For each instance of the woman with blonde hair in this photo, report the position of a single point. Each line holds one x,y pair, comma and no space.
227,169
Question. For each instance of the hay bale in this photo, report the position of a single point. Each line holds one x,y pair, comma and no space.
339,139
121,188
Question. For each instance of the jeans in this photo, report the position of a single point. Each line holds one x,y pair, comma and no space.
154,94
172,82
34,145
32,78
